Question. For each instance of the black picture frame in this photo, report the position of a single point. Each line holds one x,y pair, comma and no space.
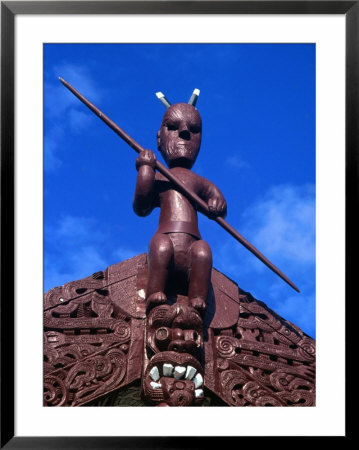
9,9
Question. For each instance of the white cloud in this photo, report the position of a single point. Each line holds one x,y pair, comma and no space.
80,262
78,120
51,161
72,251
76,247
63,110
235,162
281,225
77,76
123,253
299,310
77,228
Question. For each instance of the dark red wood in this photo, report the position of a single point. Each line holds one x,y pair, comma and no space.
98,341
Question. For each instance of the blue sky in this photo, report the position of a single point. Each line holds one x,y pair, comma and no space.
257,104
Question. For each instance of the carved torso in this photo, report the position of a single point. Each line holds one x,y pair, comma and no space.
178,214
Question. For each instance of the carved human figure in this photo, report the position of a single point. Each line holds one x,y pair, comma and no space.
177,245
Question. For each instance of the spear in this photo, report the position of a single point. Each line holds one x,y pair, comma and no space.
179,185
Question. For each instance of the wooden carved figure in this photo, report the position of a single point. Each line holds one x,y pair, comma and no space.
177,246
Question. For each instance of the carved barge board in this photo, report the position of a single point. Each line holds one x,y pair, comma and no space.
94,331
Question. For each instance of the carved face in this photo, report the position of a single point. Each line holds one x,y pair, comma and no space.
179,138
176,327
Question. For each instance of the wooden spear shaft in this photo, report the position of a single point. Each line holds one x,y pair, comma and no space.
179,185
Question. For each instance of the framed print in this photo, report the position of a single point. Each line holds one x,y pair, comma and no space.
305,55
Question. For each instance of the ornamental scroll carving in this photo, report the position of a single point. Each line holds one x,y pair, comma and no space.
93,335
263,360
99,340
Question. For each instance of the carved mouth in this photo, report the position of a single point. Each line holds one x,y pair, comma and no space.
170,365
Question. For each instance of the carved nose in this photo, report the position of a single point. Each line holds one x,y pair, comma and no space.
184,133
178,346
183,346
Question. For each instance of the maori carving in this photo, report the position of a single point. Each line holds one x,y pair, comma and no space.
174,375
173,379
264,360
91,340
176,328
85,380
55,391
98,341
177,245
241,390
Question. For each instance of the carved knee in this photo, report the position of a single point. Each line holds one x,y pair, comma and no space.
161,248
201,253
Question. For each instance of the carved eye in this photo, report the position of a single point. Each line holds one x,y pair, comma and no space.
171,126
194,129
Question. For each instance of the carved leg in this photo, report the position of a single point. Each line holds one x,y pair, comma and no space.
160,255
200,274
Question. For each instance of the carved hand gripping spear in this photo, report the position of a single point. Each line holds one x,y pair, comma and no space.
202,205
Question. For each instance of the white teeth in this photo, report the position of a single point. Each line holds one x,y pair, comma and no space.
179,372
154,373
198,380
167,370
155,385
190,373
198,393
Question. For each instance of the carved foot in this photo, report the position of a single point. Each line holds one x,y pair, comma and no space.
198,303
158,298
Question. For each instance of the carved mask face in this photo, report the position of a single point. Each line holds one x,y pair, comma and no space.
176,327
179,138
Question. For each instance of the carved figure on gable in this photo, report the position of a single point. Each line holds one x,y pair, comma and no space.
179,193
177,245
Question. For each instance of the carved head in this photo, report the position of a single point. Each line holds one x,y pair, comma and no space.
176,327
179,138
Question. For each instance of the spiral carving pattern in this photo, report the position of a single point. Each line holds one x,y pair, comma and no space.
55,391
226,346
281,380
122,331
306,349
